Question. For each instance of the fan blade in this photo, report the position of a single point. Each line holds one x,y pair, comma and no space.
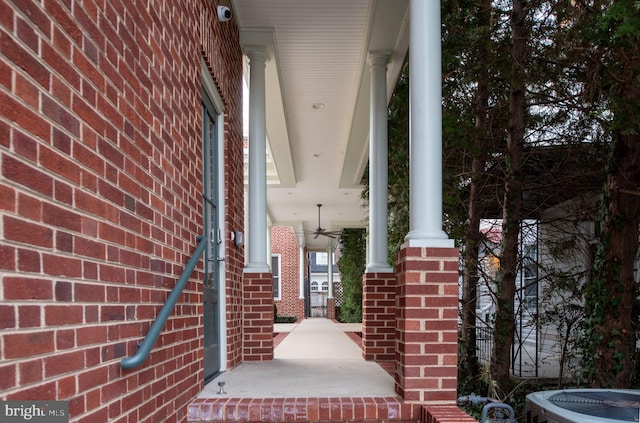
330,234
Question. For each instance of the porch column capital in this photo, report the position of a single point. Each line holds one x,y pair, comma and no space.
258,41
378,58
258,261
425,145
256,54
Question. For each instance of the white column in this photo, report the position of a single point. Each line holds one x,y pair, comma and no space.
330,270
258,255
301,271
425,132
378,164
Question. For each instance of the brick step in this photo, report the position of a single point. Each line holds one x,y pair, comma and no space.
354,409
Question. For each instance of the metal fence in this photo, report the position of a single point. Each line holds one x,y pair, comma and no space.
484,343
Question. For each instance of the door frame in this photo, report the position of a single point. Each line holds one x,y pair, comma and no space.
210,89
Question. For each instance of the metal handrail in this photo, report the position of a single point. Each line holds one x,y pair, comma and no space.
145,346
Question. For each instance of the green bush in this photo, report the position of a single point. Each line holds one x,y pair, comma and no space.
285,319
351,264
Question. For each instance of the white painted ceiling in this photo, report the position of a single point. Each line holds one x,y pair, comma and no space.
318,102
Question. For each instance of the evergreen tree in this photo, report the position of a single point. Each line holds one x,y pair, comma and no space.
398,162
606,38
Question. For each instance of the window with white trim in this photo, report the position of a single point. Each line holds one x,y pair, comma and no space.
321,259
275,271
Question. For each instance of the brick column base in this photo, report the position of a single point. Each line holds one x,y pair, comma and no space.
257,315
445,414
379,316
300,308
331,308
427,325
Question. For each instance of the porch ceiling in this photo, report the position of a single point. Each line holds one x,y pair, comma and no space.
318,101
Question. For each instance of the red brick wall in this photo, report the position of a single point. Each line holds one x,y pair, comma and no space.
427,325
224,57
258,317
100,200
283,242
379,316
445,414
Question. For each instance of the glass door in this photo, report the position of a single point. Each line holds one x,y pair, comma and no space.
212,231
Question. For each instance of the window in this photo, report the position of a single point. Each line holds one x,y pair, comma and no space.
314,286
530,272
275,270
325,286
321,258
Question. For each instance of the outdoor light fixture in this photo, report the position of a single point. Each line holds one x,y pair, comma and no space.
238,238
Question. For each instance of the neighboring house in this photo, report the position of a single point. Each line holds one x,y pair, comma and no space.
566,251
527,353
557,253
319,270
301,278
323,298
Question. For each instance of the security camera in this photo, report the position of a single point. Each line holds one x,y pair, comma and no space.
224,13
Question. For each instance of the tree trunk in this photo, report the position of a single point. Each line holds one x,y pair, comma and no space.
468,356
563,352
612,292
613,366
504,323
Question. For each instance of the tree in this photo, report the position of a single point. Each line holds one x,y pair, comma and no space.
351,265
503,336
398,162
466,36
531,90
607,35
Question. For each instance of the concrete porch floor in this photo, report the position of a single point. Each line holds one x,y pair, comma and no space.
317,375
316,359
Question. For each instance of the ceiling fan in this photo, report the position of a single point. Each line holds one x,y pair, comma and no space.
320,231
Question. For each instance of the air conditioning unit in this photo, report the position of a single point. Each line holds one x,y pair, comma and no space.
584,406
